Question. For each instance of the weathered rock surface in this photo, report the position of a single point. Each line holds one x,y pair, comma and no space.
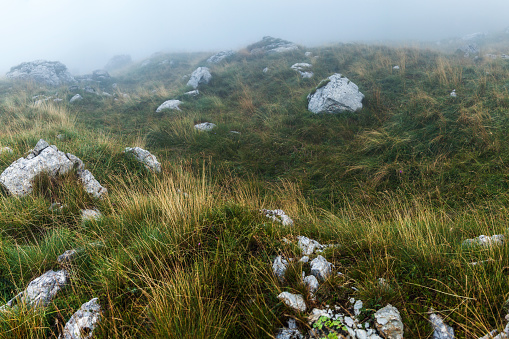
441,329
67,257
337,95
290,332
192,93
201,75
145,157
51,73
279,267
83,322
77,97
269,44
279,216
40,291
295,301
470,49
218,57
118,61
205,126
485,240
320,267
303,68
311,283
90,215
91,185
18,177
308,246
388,322
169,104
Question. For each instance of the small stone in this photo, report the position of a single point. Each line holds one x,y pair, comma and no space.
279,267
75,98
67,257
205,126
321,268
396,67
169,104
357,307
192,93
304,259
90,215
349,322
308,246
441,329
295,301
145,157
311,283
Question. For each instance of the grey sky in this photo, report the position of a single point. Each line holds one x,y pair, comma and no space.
84,34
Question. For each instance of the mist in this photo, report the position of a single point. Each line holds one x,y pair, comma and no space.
84,35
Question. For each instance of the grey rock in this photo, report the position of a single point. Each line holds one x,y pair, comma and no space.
290,332
51,73
118,61
169,104
308,246
205,126
357,308
485,240
469,49
311,283
278,216
321,268
441,329
304,259
89,89
265,70
83,322
78,164
67,257
100,75
272,45
5,150
18,177
77,97
200,76
91,185
338,95
453,93
295,301
145,157
40,291
388,322
90,215
218,57
303,68
396,67
192,93
279,267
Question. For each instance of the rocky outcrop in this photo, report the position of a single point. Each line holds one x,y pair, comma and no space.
205,126
145,157
83,323
295,301
50,73
118,62
169,104
40,291
278,216
218,57
269,45
335,95
304,69
200,76
388,322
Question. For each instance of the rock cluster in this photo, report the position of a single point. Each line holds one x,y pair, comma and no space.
145,157
335,95
201,75
18,177
218,57
304,69
278,216
51,73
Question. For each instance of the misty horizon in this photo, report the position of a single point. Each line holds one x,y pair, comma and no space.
85,35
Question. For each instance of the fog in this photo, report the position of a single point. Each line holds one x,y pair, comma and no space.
84,35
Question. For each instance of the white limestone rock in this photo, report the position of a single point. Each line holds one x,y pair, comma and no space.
18,177
200,76
311,283
205,126
295,301
485,240
308,246
51,73
67,257
278,216
388,322
453,93
169,104
83,322
321,268
145,157
290,332
272,45
91,185
218,57
90,215
279,267
75,98
40,291
441,329
192,93
304,69
335,96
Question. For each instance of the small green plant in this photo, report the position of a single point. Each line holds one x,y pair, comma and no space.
329,324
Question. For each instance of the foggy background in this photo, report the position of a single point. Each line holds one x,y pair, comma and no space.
84,35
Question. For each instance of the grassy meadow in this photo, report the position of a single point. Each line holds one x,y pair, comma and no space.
186,253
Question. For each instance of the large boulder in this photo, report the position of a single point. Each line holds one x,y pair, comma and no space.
118,61
51,73
200,76
83,322
218,57
271,45
336,94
